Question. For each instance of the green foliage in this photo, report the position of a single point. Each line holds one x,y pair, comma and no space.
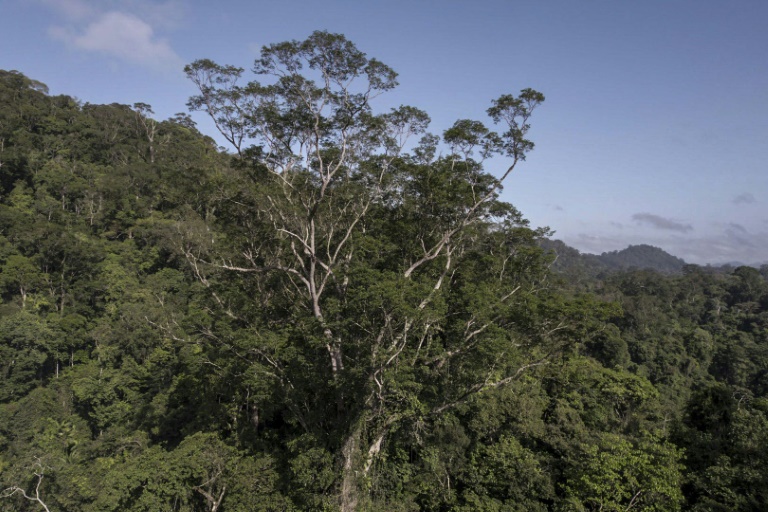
27,348
335,317
616,475
506,476
202,473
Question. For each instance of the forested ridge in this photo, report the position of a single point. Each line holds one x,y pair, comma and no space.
341,314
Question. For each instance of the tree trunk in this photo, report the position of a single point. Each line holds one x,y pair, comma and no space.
357,463
350,484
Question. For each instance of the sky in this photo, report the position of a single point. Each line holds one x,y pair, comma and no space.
654,130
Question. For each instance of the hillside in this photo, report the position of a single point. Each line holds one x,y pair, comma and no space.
570,261
642,257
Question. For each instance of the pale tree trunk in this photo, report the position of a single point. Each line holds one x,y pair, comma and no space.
350,485
359,454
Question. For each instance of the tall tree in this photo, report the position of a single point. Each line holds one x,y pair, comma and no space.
406,271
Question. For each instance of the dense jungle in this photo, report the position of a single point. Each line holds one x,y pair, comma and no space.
339,312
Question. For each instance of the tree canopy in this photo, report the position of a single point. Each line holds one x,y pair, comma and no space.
341,313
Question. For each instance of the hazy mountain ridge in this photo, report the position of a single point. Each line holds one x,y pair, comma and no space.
642,256
571,261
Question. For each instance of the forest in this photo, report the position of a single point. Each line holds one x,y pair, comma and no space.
339,313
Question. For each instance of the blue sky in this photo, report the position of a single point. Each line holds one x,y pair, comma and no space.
655,128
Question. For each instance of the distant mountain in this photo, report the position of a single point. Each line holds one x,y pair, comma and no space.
642,256
570,261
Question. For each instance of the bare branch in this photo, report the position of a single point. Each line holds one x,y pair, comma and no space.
40,474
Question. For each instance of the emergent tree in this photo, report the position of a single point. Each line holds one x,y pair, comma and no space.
367,288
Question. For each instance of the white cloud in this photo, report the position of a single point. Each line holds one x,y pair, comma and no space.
123,36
